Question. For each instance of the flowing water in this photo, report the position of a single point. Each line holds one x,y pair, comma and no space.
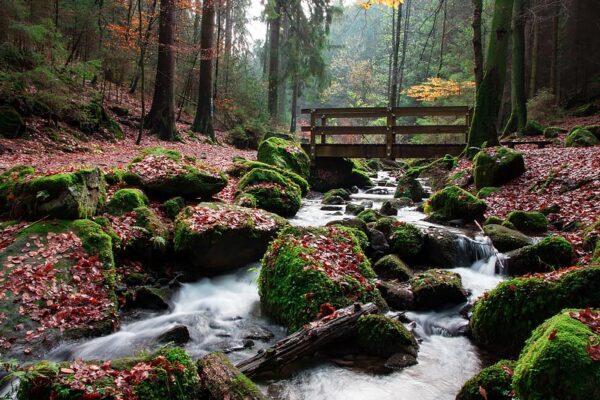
224,314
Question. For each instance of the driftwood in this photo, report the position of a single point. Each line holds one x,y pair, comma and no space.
307,341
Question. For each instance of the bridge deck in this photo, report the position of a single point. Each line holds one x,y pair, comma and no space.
380,150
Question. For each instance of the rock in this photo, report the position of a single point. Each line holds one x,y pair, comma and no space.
242,166
382,336
492,169
178,335
455,203
354,209
389,207
256,332
367,204
551,253
397,294
378,244
379,191
441,247
487,192
400,361
411,188
392,267
437,288
295,287
273,192
533,128
504,318
496,380
204,235
119,111
149,298
126,200
334,200
505,239
284,154
552,132
558,361
581,137
332,173
528,222
369,216
8,180
407,241
167,173
331,208
173,206
12,125
351,223
354,190
336,193
595,129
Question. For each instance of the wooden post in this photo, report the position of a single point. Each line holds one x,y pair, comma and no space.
313,137
323,123
390,137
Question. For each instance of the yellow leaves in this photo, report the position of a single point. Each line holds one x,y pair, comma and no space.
389,3
437,88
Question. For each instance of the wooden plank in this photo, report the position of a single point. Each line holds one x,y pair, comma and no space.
379,150
380,112
382,130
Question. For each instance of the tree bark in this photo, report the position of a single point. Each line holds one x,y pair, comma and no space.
535,48
487,104
396,51
274,33
477,42
143,77
161,118
219,380
306,341
554,75
404,47
203,121
228,41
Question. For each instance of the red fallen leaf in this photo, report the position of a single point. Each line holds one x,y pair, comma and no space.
508,370
325,310
594,351
552,335
483,392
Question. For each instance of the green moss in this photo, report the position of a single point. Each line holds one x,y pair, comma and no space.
552,132
126,200
581,138
8,181
235,387
12,125
533,128
242,166
505,317
386,225
342,193
246,200
455,203
382,336
392,267
284,154
281,200
359,178
437,288
369,215
174,206
411,188
407,241
492,170
551,253
528,221
495,379
487,192
555,363
260,175
505,239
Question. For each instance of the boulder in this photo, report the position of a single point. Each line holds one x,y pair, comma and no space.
173,206
505,239
411,188
453,203
8,180
407,241
528,221
242,166
382,336
552,132
332,173
167,173
505,317
533,128
338,193
378,244
284,154
551,253
369,215
595,129
392,267
396,294
386,225
437,288
333,200
309,272
204,235
126,200
354,209
581,137
272,191
355,223
12,125
391,207
560,359
496,380
178,335
497,166
441,247
221,380
149,298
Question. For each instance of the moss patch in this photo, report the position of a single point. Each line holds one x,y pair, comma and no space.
392,267
407,241
126,200
495,167
581,137
437,288
455,203
528,221
242,167
284,154
272,191
411,188
382,336
495,379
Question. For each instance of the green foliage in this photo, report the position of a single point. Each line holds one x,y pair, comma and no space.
174,206
382,336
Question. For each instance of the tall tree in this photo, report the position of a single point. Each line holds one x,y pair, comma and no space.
478,41
489,95
396,55
161,118
275,15
203,121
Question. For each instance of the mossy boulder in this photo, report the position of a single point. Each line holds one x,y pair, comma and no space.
528,221
173,207
369,215
411,188
533,128
497,166
58,281
220,379
487,192
273,192
437,288
204,236
382,336
407,241
392,206
167,173
342,194
12,125
595,129
552,132
557,361
496,380
551,253
505,317
308,271
242,166
581,137
505,239
71,195
354,223
333,173
284,154
8,180
392,267
126,200
453,203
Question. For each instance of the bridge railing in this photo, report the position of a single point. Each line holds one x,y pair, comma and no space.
319,127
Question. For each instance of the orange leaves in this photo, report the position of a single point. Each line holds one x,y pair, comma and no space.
437,88
389,3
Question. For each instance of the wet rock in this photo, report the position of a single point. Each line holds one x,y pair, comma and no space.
238,346
354,189
351,223
440,247
258,333
334,200
331,208
400,361
391,267
379,191
493,170
178,335
397,295
409,187
378,244
367,204
505,239
436,288
149,298
331,173
452,203
553,252
354,209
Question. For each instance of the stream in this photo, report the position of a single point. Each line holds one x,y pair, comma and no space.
223,314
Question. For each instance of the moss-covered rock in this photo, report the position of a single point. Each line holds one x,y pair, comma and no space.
392,267
173,206
505,317
552,132
332,173
497,166
437,288
354,223
8,180
533,128
167,173
65,196
411,188
204,236
369,215
407,240
284,154
12,125
306,271
595,129
528,221
336,193
581,137
551,253
493,220
496,380
220,379
242,166
505,239
452,203
487,192
391,207
556,362
382,336
273,192
126,200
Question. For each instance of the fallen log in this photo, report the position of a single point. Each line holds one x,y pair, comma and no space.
306,341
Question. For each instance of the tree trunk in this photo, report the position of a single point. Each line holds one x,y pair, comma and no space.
143,77
396,51
136,77
228,41
535,48
443,40
306,341
404,47
203,121
294,113
487,104
219,380
274,32
161,118
518,115
554,75
478,41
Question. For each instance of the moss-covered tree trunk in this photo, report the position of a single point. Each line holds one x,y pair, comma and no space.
483,128
518,115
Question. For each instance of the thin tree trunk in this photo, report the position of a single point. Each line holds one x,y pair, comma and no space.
275,27
295,92
142,94
136,77
518,116
218,54
535,48
478,41
443,41
228,41
391,56
554,75
404,47
394,86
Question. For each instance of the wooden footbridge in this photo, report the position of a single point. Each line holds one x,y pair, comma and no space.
380,141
